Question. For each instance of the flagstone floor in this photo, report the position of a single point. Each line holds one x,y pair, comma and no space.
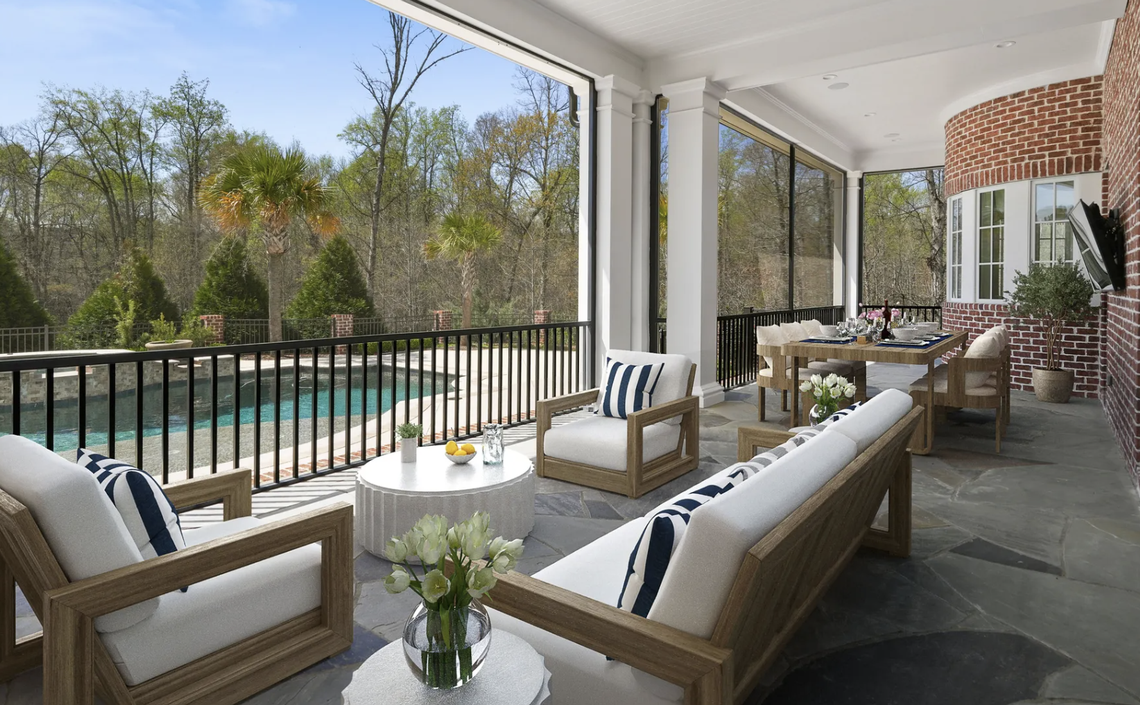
1024,585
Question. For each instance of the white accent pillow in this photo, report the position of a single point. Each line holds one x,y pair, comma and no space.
794,331
770,335
813,327
986,345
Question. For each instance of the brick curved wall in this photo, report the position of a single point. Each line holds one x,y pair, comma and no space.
1052,130
1079,349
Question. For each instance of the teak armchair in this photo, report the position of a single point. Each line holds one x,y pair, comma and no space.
956,395
76,662
640,464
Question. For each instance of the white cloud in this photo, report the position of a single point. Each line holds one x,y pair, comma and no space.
261,13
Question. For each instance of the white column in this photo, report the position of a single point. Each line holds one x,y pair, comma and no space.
694,125
851,250
640,279
615,214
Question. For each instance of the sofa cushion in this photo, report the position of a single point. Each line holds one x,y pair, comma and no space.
579,674
873,418
674,381
986,345
650,556
628,388
147,512
218,612
770,335
86,534
705,566
600,441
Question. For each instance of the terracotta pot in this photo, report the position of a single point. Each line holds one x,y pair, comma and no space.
172,345
1054,386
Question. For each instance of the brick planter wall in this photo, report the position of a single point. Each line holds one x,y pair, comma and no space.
1053,130
1121,353
1079,349
216,325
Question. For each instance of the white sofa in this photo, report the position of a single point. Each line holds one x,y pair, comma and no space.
706,562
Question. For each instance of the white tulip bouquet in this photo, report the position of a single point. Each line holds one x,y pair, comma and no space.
447,600
827,392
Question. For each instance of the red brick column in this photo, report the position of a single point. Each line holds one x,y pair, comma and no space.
341,328
216,325
442,320
541,318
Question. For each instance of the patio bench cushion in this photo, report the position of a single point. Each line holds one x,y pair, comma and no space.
873,418
82,527
673,383
600,441
218,612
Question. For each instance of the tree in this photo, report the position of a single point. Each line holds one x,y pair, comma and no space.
333,284
18,305
1054,295
231,287
264,190
460,238
136,287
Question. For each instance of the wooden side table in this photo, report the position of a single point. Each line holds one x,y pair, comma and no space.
513,674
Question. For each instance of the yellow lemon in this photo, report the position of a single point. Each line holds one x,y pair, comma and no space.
451,447
459,453
468,447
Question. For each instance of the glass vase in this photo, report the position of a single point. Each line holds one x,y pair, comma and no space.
447,658
819,414
492,444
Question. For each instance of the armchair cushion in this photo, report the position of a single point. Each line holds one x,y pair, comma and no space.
78,521
220,611
986,345
812,327
148,514
600,441
628,388
770,335
942,381
794,331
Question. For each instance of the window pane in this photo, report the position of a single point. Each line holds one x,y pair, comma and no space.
986,209
984,282
996,285
999,244
1044,202
984,249
1044,249
1064,240
818,207
900,263
999,207
1066,199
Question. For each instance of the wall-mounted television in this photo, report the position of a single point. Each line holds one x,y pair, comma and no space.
1100,241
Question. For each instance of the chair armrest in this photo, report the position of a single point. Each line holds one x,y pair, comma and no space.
749,438
663,412
960,365
233,487
663,651
550,407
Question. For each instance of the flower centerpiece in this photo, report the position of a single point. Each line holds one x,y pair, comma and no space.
827,393
447,637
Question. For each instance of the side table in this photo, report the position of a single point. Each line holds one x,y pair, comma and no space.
513,674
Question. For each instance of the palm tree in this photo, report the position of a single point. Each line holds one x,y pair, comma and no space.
263,189
460,238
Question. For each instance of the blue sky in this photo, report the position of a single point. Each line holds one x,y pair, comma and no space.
284,67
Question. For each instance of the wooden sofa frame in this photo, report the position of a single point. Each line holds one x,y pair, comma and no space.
76,664
779,583
639,477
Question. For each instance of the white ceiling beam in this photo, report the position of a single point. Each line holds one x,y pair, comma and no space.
880,33
764,109
528,25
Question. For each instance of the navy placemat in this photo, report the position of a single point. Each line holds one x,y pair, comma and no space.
827,342
911,345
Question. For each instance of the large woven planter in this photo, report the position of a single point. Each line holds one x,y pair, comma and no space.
1054,386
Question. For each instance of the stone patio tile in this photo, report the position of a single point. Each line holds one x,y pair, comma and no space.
560,503
928,542
601,510
1030,531
1088,622
1079,683
1097,556
381,612
985,551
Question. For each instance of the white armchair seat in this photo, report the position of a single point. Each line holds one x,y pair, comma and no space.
805,372
218,612
601,442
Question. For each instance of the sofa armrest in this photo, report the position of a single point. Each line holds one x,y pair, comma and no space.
233,487
749,438
70,611
673,655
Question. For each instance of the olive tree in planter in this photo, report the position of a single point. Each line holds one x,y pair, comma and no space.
1055,295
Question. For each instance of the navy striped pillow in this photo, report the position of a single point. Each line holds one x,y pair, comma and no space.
628,388
660,538
148,514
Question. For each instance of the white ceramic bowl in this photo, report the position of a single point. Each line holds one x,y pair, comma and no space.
460,459
904,334
926,326
829,331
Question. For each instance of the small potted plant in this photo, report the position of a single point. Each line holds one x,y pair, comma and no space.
1054,295
827,392
164,336
409,434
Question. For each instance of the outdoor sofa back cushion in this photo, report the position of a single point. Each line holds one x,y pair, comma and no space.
987,345
873,418
770,335
77,519
706,563
628,388
674,381
144,507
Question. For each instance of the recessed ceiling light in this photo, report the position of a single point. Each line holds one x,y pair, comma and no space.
1004,45
890,135
830,77
837,86
869,114
897,139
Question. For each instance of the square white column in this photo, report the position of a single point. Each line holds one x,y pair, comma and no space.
853,254
640,314
694,139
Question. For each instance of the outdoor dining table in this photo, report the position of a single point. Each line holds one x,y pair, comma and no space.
879,352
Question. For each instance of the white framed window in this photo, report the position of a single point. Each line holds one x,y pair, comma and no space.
1052,234
991,244
955,284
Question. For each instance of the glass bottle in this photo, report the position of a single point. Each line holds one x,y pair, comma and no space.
886,335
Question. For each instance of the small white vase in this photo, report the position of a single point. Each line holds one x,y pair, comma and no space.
408,447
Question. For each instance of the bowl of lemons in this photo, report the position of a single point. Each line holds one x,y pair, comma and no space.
459,454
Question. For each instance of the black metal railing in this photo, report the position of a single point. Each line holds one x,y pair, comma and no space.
291,410
931,314
737,363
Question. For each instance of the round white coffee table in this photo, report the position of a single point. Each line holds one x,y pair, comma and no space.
513,674
392,496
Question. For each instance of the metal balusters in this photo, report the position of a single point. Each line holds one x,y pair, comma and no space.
111,427
49,407
478,386
81,438
139,414
257,420
296,413
213,414
331,431
364,402
165,419
189,418
313,421
392,411
348,403
276,416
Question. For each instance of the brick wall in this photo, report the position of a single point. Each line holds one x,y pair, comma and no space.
1121,393
1079,349
1053,130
